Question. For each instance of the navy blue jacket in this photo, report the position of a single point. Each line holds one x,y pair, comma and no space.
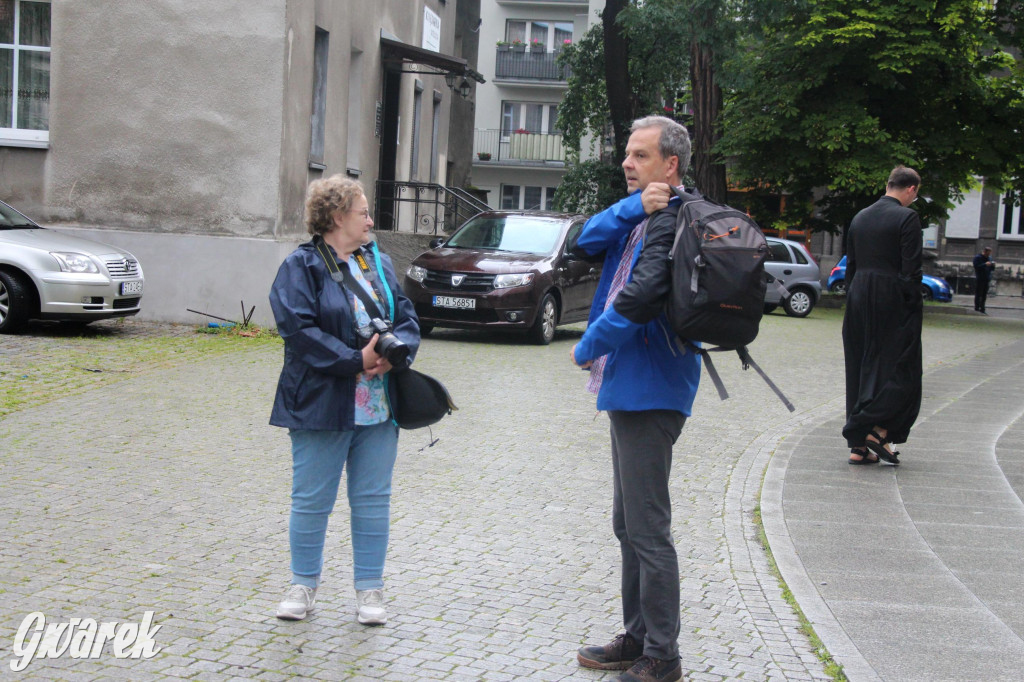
322,352
646,369
981,267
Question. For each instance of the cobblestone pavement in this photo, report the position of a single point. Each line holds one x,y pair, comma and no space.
168,492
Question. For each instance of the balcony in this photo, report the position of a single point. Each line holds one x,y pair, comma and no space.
581,3
529,66
492,147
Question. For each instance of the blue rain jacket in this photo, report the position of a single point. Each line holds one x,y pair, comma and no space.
322,352
646,368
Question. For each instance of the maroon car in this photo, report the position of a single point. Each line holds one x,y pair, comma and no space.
505,270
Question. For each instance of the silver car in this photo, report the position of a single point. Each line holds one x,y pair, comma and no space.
48,275
792,265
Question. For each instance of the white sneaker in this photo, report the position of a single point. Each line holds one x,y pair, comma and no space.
371,607
297,603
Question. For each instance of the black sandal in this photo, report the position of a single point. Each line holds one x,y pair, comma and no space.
877,446
864,459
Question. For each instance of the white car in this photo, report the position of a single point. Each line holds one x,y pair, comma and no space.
48,275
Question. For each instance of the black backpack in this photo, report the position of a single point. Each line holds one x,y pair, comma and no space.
718,281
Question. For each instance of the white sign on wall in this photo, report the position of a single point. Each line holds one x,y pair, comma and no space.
431,30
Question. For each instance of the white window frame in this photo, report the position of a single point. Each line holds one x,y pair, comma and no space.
515,113
22,137
547,196
549,30
1016,232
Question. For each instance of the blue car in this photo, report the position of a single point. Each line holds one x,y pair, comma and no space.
932,288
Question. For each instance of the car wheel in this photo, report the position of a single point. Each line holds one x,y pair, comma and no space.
838,287
769,308
543,329
425,329
799,303
15,303
926,292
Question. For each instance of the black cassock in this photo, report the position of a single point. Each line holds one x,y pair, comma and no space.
882,325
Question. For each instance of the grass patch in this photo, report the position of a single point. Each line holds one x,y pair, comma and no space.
832,669
46,366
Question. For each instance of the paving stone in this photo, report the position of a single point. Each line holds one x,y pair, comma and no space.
167,491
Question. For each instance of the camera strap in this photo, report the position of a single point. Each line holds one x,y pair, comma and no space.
345,278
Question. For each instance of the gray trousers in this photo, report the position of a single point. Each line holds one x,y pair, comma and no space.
642,518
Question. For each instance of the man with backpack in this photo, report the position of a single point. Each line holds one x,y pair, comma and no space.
646,381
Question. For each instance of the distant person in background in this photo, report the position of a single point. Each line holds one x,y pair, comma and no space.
882,324
983,266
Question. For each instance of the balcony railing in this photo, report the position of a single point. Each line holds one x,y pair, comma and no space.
535,66
490,146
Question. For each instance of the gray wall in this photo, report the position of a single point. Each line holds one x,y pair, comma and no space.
180,130
166,115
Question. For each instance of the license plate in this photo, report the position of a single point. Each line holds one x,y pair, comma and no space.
131,288
452,302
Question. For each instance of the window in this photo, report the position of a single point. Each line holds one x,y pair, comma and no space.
547,33
509,197
532,117
779,252
529,198
354,148
417,113
1010,220
318,117
25,72
435,126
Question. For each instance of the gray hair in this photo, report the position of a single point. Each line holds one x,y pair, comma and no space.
327,195
674,140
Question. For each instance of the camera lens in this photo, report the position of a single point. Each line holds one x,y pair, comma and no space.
392,348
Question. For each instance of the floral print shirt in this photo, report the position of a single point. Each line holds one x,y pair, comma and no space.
371,399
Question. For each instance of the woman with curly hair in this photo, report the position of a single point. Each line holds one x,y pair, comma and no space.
333,393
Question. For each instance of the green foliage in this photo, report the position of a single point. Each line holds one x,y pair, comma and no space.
658,70
590,186
584,108
825,99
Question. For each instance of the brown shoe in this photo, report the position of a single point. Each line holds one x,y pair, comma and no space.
647,669
618,654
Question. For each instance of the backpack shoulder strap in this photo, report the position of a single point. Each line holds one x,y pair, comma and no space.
716,379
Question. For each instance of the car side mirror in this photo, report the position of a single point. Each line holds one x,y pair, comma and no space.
436,242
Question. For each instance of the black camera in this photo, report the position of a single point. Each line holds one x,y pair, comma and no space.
389,346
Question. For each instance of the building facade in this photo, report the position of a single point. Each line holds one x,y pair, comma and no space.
188,131
518,156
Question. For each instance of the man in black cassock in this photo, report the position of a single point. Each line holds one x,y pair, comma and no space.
882,325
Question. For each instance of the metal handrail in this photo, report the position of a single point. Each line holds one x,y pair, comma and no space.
431,208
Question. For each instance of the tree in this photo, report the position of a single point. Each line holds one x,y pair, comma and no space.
628,66
824,99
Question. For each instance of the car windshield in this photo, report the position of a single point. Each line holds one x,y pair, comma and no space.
9,218
522,234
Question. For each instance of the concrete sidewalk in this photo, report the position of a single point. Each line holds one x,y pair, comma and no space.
913,572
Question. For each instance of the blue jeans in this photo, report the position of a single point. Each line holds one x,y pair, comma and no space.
318,458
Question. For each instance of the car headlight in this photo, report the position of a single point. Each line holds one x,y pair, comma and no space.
75,262
513,280
417,273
